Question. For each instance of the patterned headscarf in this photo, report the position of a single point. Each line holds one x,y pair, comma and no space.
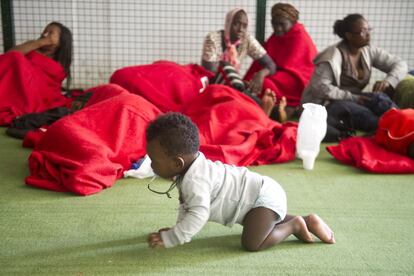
230,54
285,10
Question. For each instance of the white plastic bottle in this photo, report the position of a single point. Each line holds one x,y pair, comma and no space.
311,131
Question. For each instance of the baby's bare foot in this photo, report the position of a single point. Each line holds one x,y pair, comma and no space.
319,228
301,230
268,101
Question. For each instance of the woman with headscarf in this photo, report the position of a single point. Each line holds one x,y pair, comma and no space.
343,70
228,47
293,51
32,73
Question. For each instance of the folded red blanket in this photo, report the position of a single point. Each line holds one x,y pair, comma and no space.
365,153
167,85
87,151
396,130
235,130
29,83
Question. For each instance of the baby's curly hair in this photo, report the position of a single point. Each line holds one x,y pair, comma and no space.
176,132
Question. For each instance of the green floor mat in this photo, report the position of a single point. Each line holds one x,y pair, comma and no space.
50,233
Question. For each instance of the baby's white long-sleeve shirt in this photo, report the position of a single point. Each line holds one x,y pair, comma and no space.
212,191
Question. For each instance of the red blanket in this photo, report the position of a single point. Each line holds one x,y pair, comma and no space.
293,54
103,92
87,151
235,130
167,85
366,154
396,130
28,83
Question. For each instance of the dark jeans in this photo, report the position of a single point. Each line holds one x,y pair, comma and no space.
345,117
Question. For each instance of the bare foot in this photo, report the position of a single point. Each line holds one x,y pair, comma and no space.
319,228
268,101
301,230
283,102
282,110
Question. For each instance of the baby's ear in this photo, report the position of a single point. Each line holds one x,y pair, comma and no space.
179,162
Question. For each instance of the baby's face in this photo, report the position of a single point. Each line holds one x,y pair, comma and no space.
162,164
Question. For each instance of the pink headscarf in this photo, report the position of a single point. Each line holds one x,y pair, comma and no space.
230,53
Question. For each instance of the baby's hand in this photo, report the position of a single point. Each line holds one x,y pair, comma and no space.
155,240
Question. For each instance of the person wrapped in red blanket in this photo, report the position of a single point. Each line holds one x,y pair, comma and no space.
390,151
88,151
167,85
293,51
32,73
235,130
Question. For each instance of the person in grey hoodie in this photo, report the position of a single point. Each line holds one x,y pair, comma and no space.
213,191
344,69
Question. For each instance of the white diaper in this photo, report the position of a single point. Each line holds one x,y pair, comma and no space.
273,197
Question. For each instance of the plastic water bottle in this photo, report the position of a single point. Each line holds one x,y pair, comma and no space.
311,131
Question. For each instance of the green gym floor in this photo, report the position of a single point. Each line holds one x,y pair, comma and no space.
50,233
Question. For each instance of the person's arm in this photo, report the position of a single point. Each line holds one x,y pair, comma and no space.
323,85
155,240
33,45
268,64
196,211
269,68
210,66
256,51
395,68
181,213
